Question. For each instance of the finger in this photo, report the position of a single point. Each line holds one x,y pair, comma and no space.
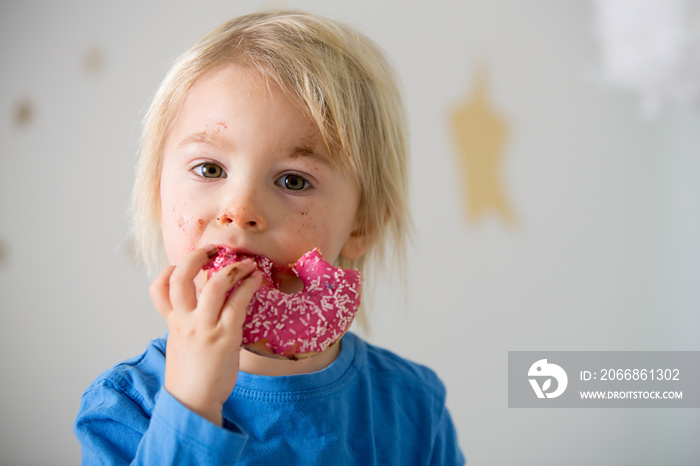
183,294
214,293
234,311
160,292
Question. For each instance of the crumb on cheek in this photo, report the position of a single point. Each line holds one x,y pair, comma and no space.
307,225
186,224
189,230
305,222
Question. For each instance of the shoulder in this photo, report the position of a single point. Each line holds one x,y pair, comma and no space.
408,399
391,370
139,378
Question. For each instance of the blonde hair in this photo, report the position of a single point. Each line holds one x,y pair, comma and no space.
347,89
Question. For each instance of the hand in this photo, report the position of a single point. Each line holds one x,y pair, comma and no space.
205,334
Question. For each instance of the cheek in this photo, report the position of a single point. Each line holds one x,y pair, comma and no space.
319,228
181,230
301,231
189,225
305,222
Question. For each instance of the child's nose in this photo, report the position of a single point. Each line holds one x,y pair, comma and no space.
243,210
246,217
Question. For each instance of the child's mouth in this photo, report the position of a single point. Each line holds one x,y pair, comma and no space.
227,256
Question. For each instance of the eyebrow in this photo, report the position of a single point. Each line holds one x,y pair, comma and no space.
304,149
203,137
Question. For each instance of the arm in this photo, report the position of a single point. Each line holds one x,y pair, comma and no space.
205,331
113,428
445,446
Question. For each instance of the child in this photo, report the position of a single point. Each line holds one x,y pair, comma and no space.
275,134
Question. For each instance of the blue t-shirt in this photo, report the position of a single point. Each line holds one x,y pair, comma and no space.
369,407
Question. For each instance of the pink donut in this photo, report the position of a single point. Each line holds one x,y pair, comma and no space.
302,324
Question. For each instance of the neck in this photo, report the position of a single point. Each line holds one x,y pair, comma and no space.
261,365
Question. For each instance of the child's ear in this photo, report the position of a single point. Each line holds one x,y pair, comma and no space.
355,246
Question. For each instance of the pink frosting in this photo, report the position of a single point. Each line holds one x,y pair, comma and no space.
309,321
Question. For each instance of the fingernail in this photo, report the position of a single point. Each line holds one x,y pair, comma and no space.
213,252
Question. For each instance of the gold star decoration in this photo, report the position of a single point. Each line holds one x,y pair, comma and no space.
480,133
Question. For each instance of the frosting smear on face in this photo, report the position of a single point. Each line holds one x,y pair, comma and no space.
302,324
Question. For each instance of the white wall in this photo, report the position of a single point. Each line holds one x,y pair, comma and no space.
603,256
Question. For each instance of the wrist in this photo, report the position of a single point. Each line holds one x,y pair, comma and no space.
209,411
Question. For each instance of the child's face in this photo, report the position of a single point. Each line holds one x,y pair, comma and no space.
243,167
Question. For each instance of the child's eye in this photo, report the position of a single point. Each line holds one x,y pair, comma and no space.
293,182
209,170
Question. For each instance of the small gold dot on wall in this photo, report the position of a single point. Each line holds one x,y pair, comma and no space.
23,113
479,134
3,253
93,61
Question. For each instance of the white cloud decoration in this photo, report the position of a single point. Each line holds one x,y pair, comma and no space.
653,48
